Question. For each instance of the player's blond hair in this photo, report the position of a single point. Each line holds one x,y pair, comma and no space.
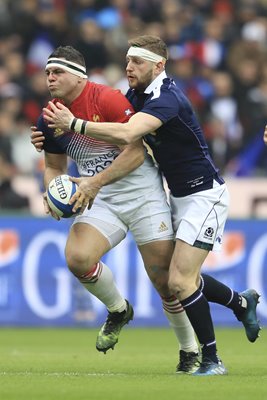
152,43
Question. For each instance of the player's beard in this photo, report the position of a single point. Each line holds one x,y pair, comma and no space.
143,82
56,93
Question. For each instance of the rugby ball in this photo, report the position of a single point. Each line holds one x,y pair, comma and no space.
59,192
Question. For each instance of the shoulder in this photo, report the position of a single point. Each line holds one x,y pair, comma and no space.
170,92
106,91
103,93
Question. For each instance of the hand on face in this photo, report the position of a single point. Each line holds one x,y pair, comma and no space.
58,116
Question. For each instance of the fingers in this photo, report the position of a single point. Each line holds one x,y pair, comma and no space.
48,114
37,139
91,201
45,203
47,209
79,201
53,106
57,117
61,106
75,179
78,204
39,147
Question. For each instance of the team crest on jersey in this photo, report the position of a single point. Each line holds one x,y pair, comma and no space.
58,132
209,233
96,118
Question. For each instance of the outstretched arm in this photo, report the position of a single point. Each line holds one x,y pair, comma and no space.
113,132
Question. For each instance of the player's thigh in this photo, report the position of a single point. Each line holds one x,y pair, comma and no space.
156,256
85,244
150,220
199,218
95,231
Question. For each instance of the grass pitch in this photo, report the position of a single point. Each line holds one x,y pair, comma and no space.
57,364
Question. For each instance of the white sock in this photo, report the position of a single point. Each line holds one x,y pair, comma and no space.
100,283
180,323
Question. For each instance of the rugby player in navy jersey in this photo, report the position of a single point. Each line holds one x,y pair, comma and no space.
198,194
130,196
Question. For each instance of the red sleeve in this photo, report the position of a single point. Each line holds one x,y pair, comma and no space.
115,107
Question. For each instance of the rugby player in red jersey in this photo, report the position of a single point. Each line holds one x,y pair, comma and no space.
130,196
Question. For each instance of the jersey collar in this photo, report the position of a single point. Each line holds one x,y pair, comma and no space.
156,83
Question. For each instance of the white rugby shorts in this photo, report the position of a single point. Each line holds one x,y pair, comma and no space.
147,217
199,218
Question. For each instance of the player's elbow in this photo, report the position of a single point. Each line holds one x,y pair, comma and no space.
126,140
126,135
121,140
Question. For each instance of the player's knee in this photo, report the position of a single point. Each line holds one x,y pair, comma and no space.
162,287
77,261
175,286
177,283
159,278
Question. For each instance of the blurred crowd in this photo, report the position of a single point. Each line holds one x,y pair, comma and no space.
217,55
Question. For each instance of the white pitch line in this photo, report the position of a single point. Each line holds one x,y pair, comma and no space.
30,373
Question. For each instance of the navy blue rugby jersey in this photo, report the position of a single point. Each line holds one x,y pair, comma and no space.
179,146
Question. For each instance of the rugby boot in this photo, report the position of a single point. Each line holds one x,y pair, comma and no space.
108,335
188,363
249,316
209,368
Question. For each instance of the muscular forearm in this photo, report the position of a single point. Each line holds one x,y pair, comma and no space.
50,173
138,126
110,132
127,161
55,164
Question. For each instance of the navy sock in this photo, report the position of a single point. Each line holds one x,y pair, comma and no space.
197,309
217,292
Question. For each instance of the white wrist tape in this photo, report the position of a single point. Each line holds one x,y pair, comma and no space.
78,125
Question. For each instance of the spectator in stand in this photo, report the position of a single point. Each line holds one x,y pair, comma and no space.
223,108
90,42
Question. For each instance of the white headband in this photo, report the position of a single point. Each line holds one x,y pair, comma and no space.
73,68
145,54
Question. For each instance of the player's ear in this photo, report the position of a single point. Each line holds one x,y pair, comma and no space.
159,67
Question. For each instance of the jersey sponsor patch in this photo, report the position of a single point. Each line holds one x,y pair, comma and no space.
94,165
